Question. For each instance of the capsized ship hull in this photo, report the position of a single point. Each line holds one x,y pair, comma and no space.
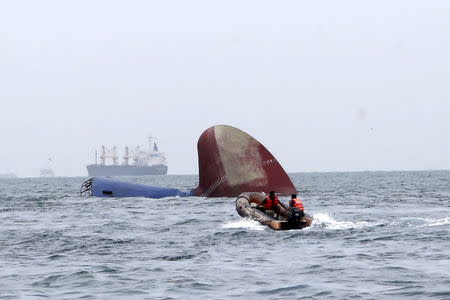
230,162
130,170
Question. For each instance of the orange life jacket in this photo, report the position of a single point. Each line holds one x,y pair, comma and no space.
270,204
298,203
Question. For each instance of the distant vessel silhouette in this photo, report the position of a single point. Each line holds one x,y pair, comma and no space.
8,175
47,171
145,162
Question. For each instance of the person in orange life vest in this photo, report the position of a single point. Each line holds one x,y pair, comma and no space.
271,203
296,202
296,208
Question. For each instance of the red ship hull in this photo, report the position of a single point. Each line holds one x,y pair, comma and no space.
232,162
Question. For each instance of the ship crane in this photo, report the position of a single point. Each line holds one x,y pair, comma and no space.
106,153
103,156
126,157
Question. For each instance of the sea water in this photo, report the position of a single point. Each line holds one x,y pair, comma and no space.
376,235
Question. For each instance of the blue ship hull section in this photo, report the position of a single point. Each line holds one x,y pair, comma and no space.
108,187
130,170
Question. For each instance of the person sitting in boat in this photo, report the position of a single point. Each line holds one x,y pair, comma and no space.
296,209
271,204
296,202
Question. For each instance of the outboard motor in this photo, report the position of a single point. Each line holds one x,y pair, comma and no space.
296,216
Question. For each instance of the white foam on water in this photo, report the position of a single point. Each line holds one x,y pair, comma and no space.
423,222
434,222
244,223
327,221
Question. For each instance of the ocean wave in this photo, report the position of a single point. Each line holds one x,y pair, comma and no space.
383,237
422,222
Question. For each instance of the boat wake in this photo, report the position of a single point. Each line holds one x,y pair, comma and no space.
426,222
244,223
436,222
325,220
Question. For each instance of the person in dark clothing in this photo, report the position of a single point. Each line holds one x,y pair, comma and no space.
296,210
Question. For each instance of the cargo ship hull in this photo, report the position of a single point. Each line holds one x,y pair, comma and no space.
131,170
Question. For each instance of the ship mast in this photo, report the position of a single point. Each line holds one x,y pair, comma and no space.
126,157
150,144
103,156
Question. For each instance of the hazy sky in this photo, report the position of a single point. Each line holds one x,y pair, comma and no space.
324,85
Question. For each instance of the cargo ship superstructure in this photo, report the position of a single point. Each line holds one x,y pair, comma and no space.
144,162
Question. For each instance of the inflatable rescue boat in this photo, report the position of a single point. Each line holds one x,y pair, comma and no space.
247,207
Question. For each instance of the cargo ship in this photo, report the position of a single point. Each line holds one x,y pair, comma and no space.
144,162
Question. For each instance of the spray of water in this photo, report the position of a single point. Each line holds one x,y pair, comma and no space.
244,223
325,220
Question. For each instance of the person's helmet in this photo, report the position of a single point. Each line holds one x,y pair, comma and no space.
293,196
